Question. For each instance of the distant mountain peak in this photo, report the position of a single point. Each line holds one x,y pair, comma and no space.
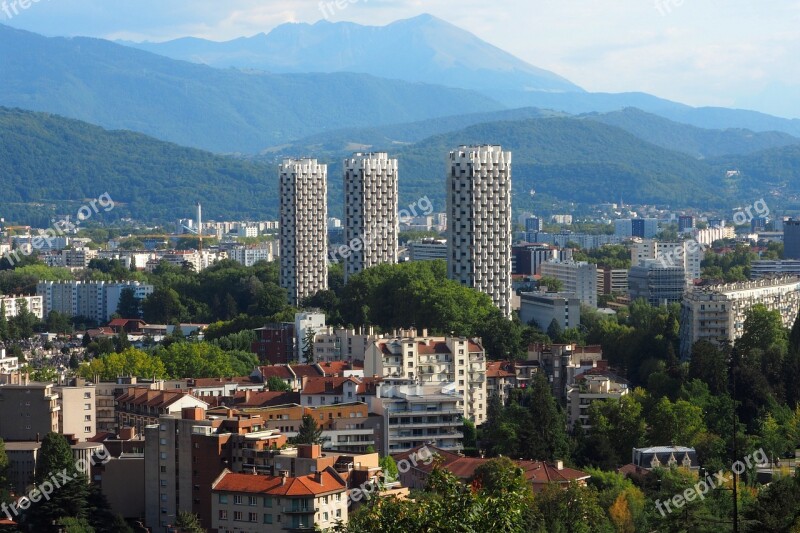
424,49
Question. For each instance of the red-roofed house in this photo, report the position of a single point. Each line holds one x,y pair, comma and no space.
140,407
247,502
418,465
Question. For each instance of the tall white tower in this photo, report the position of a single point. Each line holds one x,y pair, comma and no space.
479,221
370,211
304,228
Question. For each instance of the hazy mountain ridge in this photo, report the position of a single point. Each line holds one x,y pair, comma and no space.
194,105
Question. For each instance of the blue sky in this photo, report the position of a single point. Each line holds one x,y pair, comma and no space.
701,52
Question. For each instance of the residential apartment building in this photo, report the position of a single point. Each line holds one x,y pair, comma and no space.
249,256
541,308
14,304
716,313
77,257
275,343
589,387
265,504
584,240
561,363
457,363
94,300
370,211
686,254
304,228
612,281
577,277
774,268
307,324
343,344
479,221
140,407
656,283
78,413
416,415
28,411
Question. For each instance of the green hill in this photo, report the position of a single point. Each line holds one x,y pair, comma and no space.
51,165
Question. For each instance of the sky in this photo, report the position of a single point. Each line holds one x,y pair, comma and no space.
731,53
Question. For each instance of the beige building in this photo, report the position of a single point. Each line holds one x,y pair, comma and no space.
28,411
716,313
457,364
342,344
592,386
78,414
265,504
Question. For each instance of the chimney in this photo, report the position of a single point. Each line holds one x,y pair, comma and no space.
284,475
559,465
318,477
247,396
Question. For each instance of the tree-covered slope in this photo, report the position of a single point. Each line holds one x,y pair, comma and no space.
51,165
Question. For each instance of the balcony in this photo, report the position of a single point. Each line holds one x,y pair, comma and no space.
300,509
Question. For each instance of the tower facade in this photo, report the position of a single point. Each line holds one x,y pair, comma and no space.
304,228
370,210
479,221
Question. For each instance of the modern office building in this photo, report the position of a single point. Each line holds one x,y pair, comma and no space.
685,223
644,228
577,277
370,209
656,283
541,308
612,280
791,239
533,224
716,313
774,268
527,258
429,249
479,221
304,228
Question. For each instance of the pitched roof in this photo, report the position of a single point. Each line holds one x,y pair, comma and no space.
213,382
275,486
264,398
537,472
328,385
153,398
500,369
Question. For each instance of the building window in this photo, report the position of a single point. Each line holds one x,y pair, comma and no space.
237,516
252,500
223,514
87,418
223,498
87,395
268,502
237,499
267,518
87,407
87,429
253,517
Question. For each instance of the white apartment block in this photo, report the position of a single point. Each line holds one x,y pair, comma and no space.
578,278
304,228
250,256
370,208
94,300
13,305
458,364
303,324
687,254
479,221
418,415
342,345
709,235
716,313
592,386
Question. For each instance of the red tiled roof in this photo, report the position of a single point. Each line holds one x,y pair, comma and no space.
500,369
332,385
537,472
278,371
124,322
336,368
433,348
306,370
265,398
152,398
272,485
212,382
